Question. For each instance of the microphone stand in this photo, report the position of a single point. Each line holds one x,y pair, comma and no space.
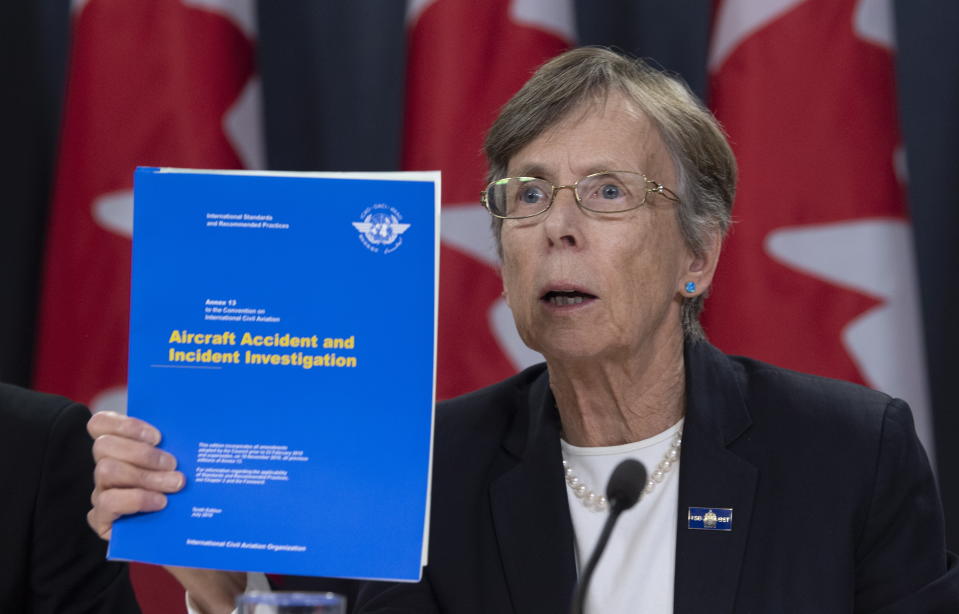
622,491
579,596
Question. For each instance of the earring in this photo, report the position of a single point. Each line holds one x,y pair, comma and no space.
691,287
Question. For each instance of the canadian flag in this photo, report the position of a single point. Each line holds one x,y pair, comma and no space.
160,83
465,60
819,272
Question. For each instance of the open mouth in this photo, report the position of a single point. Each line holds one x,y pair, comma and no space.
564,298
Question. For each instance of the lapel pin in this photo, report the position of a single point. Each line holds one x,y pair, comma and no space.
711,518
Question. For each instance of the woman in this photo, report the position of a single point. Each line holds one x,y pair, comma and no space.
770,491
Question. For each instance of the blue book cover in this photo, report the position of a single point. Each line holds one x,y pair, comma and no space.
283,340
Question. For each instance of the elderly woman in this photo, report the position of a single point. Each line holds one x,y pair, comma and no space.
769,491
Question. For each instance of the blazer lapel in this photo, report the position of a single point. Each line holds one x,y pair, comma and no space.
708,562
530,511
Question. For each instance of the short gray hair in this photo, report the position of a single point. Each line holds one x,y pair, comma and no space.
704,163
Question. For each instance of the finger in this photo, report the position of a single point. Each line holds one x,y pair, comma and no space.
92,521
116,502
132,451
112,423
113,473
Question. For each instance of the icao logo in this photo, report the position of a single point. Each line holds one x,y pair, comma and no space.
381,228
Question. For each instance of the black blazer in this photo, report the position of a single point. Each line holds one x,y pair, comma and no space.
835,506
51,562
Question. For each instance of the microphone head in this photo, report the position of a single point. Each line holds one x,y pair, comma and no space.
625,485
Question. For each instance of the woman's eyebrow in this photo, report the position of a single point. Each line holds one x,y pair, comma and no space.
538,170
531,170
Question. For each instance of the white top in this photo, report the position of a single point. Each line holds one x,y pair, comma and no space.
635,574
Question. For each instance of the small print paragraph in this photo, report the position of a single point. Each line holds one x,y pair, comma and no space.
220,454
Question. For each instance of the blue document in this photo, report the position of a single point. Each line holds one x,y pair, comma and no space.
283,341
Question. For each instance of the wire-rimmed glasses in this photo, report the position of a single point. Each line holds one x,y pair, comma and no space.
513,198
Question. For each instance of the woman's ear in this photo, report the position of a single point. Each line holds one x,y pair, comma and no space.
698,276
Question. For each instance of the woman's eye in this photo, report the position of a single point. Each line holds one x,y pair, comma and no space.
531,195
610,191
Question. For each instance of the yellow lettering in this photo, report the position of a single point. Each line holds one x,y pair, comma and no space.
337,342
204,356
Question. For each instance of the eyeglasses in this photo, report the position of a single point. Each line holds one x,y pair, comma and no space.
514,198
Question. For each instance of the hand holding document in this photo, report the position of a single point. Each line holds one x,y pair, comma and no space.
134,476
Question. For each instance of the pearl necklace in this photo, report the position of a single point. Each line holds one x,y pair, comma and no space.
598,503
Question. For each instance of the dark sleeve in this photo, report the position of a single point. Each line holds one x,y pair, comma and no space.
902,565
69,573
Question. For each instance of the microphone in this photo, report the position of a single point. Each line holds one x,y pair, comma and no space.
622,492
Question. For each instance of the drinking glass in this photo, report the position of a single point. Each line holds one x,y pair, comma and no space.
286,602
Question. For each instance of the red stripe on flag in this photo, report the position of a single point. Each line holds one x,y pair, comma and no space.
149,84
809,108
465,60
